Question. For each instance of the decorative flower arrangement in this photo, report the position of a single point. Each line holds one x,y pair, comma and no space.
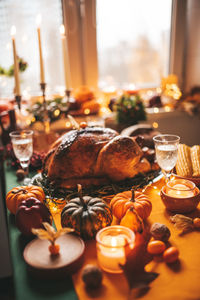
10,71
129,109
56,108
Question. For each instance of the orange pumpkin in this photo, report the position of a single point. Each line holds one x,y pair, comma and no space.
20,193
123,201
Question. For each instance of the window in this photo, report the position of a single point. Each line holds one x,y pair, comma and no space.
22,14
133,41
110,42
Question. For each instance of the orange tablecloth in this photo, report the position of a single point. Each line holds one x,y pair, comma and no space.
180,281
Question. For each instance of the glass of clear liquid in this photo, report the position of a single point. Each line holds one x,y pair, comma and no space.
166,146
22,142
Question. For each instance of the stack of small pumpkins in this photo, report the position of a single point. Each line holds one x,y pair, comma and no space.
131,208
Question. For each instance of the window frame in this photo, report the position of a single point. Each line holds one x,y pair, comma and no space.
80,23
177,55
82,43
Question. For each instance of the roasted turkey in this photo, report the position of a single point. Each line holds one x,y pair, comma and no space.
93,156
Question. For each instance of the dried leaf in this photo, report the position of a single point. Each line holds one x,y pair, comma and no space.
182,223
136,259
50,234
42,234
62,231
49,229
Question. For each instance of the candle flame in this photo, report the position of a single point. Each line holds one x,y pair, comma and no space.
62,29
113,242
13,31
38,20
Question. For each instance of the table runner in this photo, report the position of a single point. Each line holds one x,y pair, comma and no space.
180,281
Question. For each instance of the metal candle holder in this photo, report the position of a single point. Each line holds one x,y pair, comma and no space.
68,93
46,118
18,99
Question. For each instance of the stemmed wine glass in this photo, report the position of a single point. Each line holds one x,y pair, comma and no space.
166,146
22,142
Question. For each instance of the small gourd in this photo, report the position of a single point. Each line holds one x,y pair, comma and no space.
20,193
123,201
171,255
86,215
156,247
132,220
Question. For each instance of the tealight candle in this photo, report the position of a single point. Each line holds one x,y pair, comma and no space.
180,196
180,188
111,242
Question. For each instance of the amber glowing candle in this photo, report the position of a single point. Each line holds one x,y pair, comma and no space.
16,64
180,188
111,242
42,76
65,57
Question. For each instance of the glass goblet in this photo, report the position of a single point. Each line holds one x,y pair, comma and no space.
166,146
22,142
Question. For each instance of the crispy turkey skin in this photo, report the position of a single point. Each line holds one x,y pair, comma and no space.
93,156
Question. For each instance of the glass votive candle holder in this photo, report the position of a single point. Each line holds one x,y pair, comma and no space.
111,242
180,188
180,196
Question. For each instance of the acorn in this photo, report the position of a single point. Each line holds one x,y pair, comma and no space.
20,174
92,276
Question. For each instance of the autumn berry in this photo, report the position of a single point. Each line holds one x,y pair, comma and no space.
54,249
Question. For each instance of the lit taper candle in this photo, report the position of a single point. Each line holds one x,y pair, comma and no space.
16,63
42,76
65,57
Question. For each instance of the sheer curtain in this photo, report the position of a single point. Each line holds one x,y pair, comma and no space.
133,41
22,14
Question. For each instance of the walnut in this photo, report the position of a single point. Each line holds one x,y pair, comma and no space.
160,232
92,276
